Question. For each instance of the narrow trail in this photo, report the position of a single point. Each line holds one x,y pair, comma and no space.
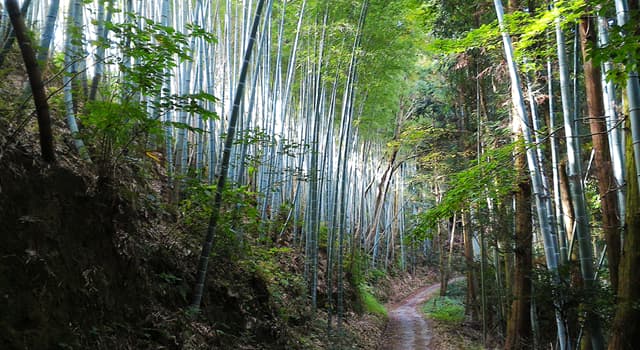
407,328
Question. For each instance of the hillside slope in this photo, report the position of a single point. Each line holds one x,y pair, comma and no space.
95,262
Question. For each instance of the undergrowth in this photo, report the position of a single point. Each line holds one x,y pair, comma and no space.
370,303
453,329
450,308
444,309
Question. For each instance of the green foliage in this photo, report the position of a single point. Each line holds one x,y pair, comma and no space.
452,18
363,279
115,129
190,103
369,302
387,61
487,36
323,234
373,275
149,53
127,120
239,215
287,289
171,281
196,207
154,48
389,43
598,300
623,51
492,176
531,29
457,290
267,264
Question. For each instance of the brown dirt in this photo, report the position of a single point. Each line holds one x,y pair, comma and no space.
92,263
407,328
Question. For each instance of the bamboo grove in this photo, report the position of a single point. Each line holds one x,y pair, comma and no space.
278,112
502,142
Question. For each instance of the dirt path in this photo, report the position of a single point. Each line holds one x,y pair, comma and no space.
407,329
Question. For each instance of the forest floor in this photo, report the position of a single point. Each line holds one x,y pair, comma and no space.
408,328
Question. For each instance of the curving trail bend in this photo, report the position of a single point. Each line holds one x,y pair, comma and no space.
407,329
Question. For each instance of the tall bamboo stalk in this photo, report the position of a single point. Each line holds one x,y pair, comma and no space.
222,178
48,32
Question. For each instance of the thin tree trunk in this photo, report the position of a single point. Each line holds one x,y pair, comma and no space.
555,168
472,298
347,112
80,53
35,79
446,268
519,323
574,173
567,205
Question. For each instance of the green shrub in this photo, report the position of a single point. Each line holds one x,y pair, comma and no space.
444,309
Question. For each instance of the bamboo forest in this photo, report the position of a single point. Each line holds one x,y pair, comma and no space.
320,174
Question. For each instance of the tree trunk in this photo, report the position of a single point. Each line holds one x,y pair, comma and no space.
472,298
441,258
446,268
603,169
633,84
567,205
103,33
35,79
614,128
519,323
625,331
555,169
626,324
